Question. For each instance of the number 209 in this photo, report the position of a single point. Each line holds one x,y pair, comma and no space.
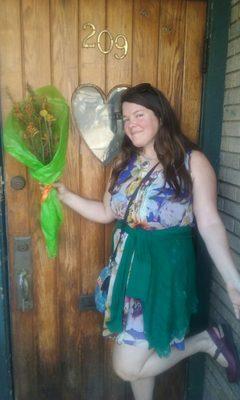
120,41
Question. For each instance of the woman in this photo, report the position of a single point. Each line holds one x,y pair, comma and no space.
152,291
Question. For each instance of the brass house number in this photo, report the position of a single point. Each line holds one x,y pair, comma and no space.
93,38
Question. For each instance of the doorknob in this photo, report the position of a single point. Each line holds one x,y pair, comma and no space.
24,288
23,274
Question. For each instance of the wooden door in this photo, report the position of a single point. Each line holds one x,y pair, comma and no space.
58,350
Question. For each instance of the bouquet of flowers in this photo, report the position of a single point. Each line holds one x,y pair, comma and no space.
36,133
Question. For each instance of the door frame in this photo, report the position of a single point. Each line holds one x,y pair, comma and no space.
216,44
218,19
6,374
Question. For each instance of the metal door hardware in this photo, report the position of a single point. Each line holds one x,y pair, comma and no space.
1,185
18,182
87,302
23,273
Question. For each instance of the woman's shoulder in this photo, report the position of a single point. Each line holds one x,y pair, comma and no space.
198,158
199,164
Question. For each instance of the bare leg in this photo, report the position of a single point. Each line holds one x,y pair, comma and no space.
201,342
143,388
132,363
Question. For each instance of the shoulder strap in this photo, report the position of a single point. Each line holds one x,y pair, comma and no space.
128,207
133,196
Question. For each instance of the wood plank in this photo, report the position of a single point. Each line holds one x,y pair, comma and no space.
36,56
88,59
145,41
65,347
170,72
192,79
23,342
64,66
36,42
165,389
171,51
119,21
91,240
176,30
118,71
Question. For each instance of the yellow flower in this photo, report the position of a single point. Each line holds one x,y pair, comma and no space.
43,113
50,118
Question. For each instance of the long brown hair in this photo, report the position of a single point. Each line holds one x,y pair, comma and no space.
170,143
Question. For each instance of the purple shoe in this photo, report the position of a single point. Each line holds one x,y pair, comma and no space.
225,345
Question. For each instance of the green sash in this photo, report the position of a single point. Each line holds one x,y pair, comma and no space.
157,267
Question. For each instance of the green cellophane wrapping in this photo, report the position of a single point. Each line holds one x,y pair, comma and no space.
51,209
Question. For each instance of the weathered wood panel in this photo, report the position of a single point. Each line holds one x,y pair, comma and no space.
145,41
64,63
119,20
193,59
23,343
58,350
171,50
92,66
36,63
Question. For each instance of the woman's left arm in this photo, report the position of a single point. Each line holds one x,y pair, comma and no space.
211,227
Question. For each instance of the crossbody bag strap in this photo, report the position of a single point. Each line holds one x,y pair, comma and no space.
132,198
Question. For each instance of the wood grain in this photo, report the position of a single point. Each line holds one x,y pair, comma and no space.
192,78
171,51
37,72
92,185
145,41
64,62
58,350
23,341
118,20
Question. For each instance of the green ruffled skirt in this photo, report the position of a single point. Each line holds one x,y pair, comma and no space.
158,268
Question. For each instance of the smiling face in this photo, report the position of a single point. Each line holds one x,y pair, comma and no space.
140,125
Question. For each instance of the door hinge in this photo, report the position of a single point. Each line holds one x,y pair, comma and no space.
1,185
205,55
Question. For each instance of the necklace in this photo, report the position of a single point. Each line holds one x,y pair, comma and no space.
146,162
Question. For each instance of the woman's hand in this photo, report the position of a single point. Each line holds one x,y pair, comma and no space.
61,189
234,295
96,211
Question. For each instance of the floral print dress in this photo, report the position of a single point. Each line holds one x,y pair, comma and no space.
153,208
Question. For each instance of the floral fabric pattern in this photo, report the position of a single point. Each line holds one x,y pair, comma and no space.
153,208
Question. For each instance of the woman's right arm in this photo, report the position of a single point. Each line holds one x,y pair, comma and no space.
95,211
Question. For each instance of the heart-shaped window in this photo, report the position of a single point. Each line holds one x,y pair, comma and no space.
98,119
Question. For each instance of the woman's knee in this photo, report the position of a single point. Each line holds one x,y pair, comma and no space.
124,371
126,363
